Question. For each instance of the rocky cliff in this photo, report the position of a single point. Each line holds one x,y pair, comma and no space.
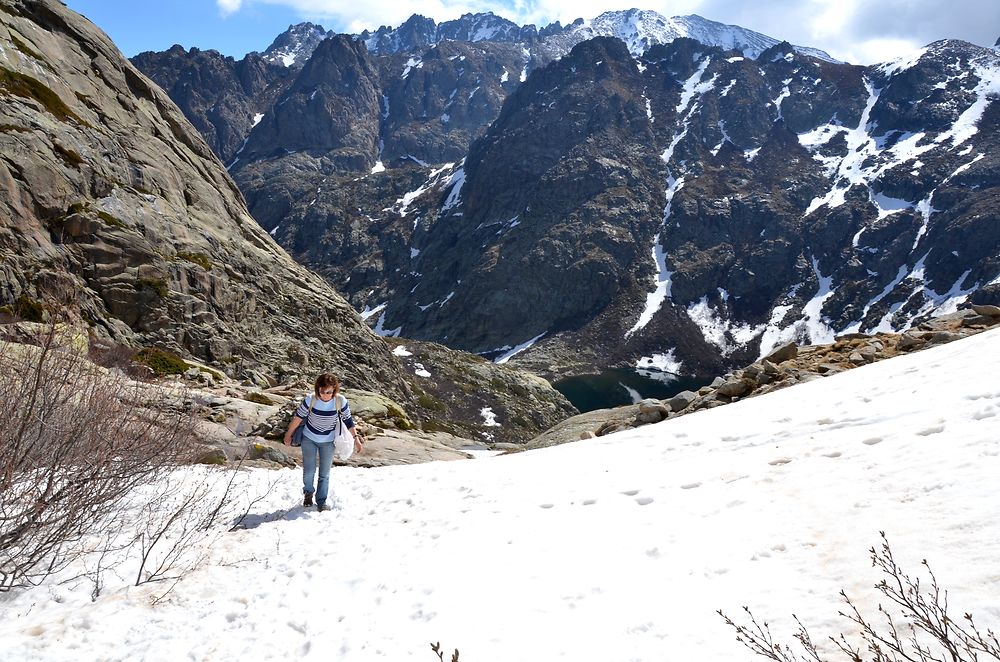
116,210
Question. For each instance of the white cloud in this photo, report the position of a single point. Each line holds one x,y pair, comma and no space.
229,7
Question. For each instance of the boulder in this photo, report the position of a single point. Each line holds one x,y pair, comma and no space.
734,388
783,353
681,400
986,310
910,340
770,368
214,456
652,406
647,417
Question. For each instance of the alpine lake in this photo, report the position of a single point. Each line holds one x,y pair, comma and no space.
620,386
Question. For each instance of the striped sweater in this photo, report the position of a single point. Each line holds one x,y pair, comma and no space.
321,424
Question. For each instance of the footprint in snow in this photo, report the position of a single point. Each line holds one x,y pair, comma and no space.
630,492
690,486
871,441
644,501
931,430
780,461
834,454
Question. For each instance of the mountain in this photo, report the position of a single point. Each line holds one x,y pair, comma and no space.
418,33
686,209
642,29
295,45
223,98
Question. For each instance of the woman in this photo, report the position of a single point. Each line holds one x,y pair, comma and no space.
321,417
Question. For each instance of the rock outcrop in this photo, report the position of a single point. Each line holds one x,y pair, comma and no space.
114,209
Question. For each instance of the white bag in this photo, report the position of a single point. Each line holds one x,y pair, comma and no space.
343,440
343,443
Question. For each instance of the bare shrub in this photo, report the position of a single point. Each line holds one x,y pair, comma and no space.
110,354
918,629
436,647
74,442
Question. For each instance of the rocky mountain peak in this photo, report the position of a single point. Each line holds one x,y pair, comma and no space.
295,45
642,29
414,33
330,112
419,32
485,27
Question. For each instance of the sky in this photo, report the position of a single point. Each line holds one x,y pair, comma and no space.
615,548
858,31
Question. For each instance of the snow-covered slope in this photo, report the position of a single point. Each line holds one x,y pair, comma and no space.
615,548
641,29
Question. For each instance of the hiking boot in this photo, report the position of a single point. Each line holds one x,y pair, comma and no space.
307,499
322,506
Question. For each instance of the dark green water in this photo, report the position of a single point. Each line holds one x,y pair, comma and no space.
611,388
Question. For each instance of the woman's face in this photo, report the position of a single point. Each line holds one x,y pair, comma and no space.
326,393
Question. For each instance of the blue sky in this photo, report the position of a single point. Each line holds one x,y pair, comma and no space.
858,31
150,25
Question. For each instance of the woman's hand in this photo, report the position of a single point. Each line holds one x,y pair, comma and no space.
357,444
288,439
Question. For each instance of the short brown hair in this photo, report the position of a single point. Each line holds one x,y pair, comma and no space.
326,380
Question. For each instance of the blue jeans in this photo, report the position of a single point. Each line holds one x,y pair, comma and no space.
310,451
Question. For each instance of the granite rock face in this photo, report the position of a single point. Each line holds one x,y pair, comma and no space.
115,211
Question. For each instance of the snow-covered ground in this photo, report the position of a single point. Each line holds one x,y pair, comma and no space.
618,548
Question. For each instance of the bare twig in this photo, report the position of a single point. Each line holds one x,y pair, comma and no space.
923,631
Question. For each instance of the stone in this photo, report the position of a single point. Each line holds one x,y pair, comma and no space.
783,353
942,337
909,341
717,382
829,369
214,456
857,359
681,400
647,417
770,368
652,406
986,310
734,388
980,320
587,434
